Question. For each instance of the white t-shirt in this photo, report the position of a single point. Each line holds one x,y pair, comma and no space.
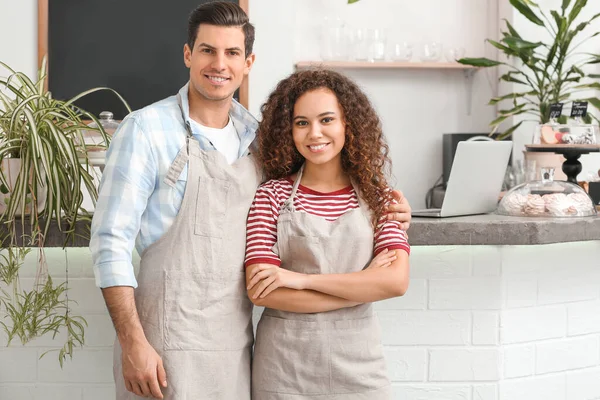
225,140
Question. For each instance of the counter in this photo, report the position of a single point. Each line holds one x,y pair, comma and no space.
498,308
492,229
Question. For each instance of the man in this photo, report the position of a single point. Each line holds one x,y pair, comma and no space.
186,333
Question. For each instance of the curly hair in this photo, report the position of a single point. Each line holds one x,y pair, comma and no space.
365,153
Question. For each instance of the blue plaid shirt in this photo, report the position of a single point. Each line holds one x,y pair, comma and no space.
135,206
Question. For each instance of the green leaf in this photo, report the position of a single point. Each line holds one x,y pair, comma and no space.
518,44
509,131
512,30
579,28
565,5
500,46
579,4
577,70
512,111
526,11
507,115
593,18
593,101
595,60
596,76
353,1
551,54
511,96
595,85
509,78
479,62
561,23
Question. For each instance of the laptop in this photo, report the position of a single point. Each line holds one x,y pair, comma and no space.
475,179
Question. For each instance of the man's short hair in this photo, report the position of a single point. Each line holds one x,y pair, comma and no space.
220,13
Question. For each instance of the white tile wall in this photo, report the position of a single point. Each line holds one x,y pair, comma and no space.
461,332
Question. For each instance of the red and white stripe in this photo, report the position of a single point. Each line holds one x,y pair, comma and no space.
261,231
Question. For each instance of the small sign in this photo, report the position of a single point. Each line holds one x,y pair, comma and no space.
555,110
579,109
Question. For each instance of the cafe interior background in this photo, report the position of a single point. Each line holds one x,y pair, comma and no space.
417,106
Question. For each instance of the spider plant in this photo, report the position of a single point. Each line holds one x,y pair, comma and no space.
546,71
47,136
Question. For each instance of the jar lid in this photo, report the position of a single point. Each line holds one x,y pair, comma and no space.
106,115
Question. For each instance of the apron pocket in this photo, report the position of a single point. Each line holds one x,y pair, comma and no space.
211,206
205,314
307,255
357,363
291,357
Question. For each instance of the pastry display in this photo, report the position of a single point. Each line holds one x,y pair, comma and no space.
547,198
576,132
535,205
554,134
559,205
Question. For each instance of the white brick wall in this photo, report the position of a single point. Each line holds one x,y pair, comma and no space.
519,360
464,365
534,323
485,392
567,354
88,376
549,387
486,328
478,323
584,384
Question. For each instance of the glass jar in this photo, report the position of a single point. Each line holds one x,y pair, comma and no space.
93,138
575,134
547,198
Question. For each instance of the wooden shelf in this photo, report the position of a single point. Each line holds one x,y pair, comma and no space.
382,65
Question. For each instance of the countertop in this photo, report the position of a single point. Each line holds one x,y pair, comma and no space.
488,229
493,229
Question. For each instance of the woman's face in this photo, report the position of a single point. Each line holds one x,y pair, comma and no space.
319,130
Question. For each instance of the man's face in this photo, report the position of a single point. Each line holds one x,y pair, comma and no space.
217,62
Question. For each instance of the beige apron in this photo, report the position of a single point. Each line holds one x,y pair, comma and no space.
331,355
191,298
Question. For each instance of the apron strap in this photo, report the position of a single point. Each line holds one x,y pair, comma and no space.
288,205
178,165
184,153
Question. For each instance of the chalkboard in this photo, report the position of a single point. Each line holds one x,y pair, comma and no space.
132,46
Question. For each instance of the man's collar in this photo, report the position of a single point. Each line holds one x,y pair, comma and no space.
238,113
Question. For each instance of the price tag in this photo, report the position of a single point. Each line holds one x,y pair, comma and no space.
579,109
555,110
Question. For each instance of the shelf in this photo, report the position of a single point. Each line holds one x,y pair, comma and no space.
383,65
467,70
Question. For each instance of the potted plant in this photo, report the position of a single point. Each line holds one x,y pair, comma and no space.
43,168
546,71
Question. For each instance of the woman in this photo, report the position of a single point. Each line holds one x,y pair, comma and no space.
312,232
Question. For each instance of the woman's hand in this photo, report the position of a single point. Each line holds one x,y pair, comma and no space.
267,278
383,259
400,211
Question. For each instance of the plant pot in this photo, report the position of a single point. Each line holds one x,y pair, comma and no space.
547,160
11,168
